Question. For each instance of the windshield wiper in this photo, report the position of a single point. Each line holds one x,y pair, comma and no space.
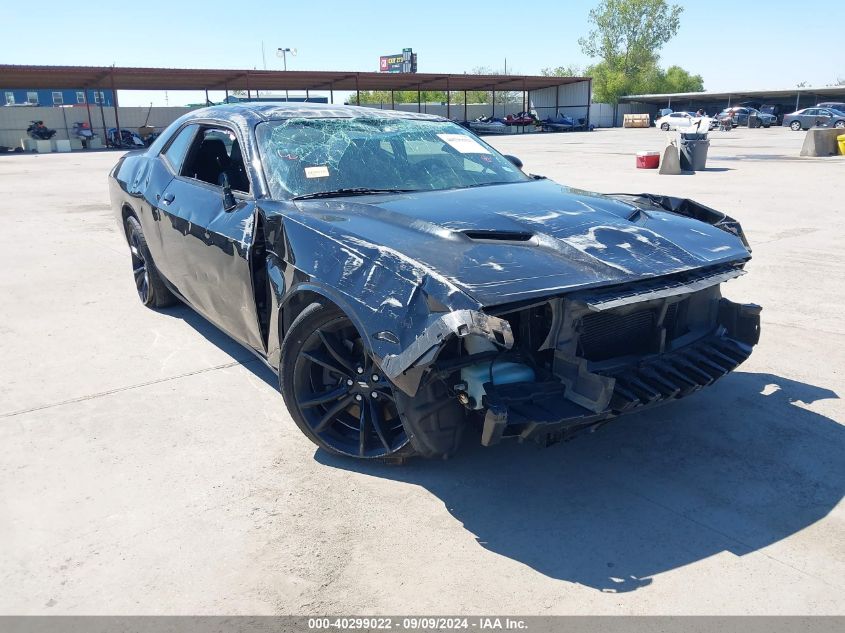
349,191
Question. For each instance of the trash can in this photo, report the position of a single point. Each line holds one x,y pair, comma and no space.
840,140
694,151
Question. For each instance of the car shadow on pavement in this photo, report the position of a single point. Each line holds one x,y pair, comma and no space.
733,469
224,343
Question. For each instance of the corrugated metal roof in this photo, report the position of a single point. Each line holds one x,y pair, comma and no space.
281,110
827,91
124,78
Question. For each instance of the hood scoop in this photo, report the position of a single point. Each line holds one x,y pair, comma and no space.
498,236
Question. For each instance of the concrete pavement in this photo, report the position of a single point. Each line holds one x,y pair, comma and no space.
148,465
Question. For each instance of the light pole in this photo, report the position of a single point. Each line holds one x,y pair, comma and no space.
283,52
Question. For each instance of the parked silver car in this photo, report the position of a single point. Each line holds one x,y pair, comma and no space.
814,117
740,115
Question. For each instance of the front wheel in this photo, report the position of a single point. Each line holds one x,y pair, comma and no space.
665,127
839,124
795,126
335,392
148,282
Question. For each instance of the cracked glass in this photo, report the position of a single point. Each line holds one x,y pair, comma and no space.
303,156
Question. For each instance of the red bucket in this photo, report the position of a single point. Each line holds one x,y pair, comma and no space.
648,160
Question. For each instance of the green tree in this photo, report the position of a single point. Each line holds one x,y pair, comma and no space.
676,79
563,71
627,38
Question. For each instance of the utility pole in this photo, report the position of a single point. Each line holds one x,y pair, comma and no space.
282,52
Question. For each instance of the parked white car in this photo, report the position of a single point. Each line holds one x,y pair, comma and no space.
674,120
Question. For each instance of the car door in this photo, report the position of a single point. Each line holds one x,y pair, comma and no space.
161,172
209,246
808,117
823,117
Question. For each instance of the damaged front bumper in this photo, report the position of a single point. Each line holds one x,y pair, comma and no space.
542,411
406,368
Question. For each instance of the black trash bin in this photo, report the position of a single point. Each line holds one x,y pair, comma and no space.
694,148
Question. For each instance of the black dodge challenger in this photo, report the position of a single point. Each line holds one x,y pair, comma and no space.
405,280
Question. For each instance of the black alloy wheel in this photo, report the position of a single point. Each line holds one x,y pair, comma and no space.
152,291
139,266
336,393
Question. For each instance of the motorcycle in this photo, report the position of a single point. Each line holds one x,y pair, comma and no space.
126,140
83,132
39,131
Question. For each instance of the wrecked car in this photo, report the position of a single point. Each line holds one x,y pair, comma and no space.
405,280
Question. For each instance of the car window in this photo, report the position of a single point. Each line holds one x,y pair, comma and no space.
175,152
215,156
306,156
811,111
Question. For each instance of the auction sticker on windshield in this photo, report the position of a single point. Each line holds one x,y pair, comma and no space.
464,144
317,172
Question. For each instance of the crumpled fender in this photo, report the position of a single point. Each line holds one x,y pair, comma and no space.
688,208
405,368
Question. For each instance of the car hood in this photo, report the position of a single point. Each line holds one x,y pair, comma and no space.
512,242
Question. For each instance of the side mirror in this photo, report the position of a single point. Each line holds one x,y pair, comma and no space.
229,201
514,160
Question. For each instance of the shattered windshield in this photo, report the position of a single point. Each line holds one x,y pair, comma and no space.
306,156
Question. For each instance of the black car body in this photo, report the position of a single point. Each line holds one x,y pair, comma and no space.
395,318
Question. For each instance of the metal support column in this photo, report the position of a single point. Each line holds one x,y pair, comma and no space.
331,94
590,100
116,117
557,100
103,116
392,101
207,102
357,91
524,96
88,108
419,98
307,94
448,100
493,116
465,105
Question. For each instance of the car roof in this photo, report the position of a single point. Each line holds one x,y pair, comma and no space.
272,110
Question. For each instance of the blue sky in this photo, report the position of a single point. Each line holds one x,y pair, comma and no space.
759,44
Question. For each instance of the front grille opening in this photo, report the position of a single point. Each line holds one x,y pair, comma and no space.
606,335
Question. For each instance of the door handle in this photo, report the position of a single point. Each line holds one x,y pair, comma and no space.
168,198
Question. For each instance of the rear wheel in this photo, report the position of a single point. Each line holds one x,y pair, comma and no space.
335,392
795,126
148,282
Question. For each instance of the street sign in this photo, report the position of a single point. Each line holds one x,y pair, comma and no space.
404,62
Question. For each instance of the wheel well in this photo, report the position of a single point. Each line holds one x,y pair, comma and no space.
125,213
296,304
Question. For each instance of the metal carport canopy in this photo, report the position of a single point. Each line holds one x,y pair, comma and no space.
125,78
831,92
